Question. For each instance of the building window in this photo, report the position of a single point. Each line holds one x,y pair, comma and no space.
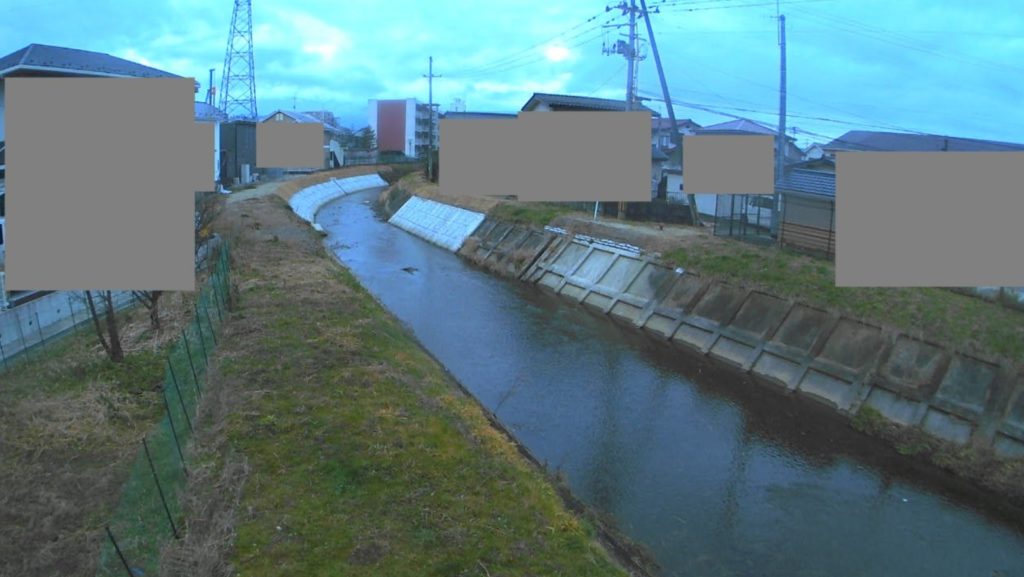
279,117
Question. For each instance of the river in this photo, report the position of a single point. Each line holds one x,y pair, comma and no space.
714,475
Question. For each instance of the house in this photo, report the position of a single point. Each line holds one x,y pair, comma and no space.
661,131
404,126
461,115
866,141
709,203
808,210
658,158
748,127
43,60
547,102
814,151
824,163
333,154
541,102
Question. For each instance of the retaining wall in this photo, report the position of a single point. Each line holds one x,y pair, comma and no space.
795,348
308,201
42,319
444,225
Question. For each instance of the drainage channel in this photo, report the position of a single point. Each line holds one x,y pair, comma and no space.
714,475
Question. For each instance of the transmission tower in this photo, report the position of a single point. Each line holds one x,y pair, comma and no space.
238,83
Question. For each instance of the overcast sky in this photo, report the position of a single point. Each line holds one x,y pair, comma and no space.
937,66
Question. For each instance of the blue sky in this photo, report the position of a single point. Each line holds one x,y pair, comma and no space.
945,67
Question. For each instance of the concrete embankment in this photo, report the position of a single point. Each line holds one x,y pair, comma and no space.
306,202
798,349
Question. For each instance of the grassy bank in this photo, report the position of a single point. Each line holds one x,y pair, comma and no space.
363,456
958,321
963,322
70,423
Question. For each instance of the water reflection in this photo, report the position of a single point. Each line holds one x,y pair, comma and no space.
716,475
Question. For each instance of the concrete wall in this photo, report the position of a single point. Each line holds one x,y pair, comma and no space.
444,225
787,345
308,201
40,320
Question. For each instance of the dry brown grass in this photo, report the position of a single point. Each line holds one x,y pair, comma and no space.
416,184
212,494
70,423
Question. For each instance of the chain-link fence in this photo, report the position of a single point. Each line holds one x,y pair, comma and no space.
746,217
26,329
150,511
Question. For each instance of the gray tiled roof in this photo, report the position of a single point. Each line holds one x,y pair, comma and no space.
569,102
808,182
739,125
866,140
83,61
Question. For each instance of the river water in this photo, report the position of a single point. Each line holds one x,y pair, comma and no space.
714,475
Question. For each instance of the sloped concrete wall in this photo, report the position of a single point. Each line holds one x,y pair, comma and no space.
796,349
786,345
504,248
308,201
444,225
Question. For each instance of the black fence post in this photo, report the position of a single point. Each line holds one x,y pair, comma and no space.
202,339
159,489
181,399
174,432
209,323
74,321
188,353
216,301
21,333
120,555
39,327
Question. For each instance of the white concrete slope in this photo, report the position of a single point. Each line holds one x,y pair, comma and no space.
444,225
308,201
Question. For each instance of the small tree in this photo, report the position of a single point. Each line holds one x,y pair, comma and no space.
366,138
151,300
106,329
209,205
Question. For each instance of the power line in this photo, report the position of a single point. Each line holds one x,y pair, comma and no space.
615,74
729,6
516,55
529,59
858,28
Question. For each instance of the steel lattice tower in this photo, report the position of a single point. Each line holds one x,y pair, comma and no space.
238,83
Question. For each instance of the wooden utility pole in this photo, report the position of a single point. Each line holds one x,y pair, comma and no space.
676,138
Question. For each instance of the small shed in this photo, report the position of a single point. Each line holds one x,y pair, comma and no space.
808,220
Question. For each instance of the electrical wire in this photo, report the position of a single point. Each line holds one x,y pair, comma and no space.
857,28
519,54
519,63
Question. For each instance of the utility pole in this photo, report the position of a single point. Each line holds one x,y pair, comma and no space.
210,90
677,140
780,154
430,76
629,50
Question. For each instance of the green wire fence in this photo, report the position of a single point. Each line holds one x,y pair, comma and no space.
150,512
